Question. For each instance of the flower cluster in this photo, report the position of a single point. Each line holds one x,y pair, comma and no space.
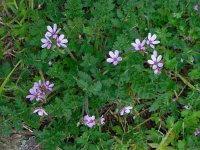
151,41
90,121
38,92
52,34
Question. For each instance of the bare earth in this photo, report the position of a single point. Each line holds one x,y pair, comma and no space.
18,142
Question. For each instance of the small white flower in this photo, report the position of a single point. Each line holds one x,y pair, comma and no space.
156,62
181,60
126,110
49,63
61,41
89,121
52,31
139,46
46,43
102,120
151,40
115,59
40,112
186,107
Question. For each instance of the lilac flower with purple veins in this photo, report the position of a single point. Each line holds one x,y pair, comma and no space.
33,94
151,40
156,62
52,31
115,59
102,120
196,133
139,46
48,86
40,111
196,7
61,41
46,43
126,110
89,121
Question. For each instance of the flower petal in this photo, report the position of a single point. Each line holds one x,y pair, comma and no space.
111,54
127,111
44,40
152,46
47,34
159,58
115,63
154,67
150,62
36,110
149,36
156,71
153,37
143,42
54,27
160,65
137,41
63,45
155,42
109,60
153,57
122,112
64,41
61,37
116,53
44,45
155,53
40,112
119,59
49,28
133,44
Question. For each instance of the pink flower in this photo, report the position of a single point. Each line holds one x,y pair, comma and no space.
151,40
89,121
48,86
52,31
126,110
40,111
33,94
46,43
196,7
139,46
102,120
61,41
196,132
115,59
156,62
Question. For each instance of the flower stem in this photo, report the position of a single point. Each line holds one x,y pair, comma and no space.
70,54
